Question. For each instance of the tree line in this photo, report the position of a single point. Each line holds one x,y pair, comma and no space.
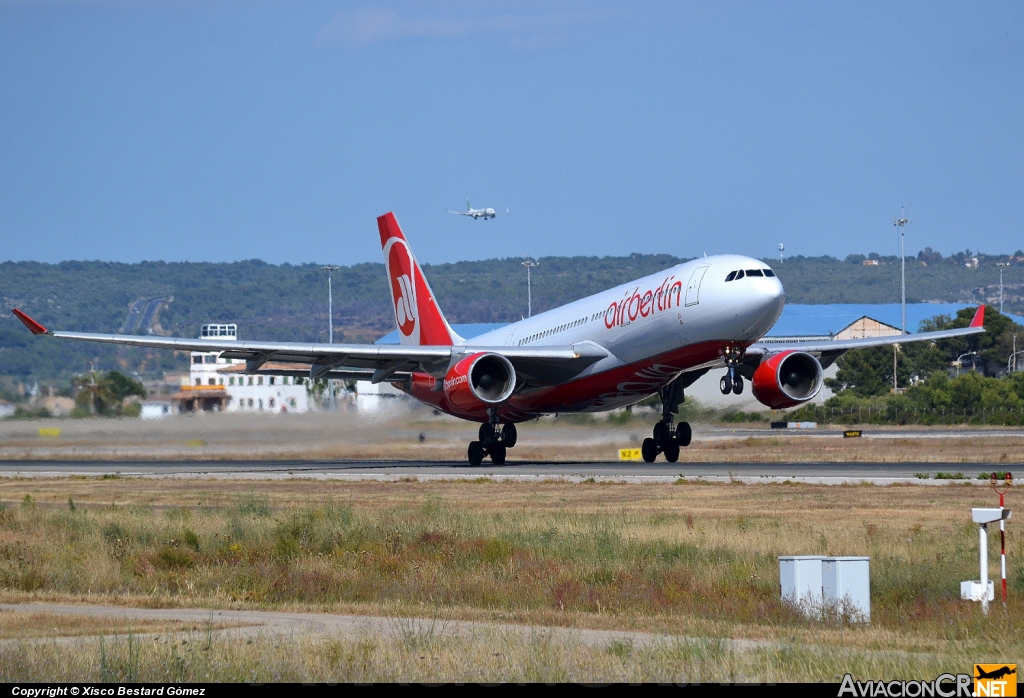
951,381
289,302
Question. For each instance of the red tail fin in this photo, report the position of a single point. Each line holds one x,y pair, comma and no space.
419,319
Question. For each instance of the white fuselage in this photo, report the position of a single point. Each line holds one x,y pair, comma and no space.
682,319
700,309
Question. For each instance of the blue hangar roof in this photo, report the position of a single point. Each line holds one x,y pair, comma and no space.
799,320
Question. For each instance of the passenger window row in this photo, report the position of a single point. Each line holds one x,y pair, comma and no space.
739,274
553,330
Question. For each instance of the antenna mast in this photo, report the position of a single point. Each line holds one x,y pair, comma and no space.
781,248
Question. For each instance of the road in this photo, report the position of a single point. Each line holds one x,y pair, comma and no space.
269,623
879,473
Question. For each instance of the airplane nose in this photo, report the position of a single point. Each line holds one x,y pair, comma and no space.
776,295
770,299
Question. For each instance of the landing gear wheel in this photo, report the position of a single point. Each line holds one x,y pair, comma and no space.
737,385
649,449
498,453
486,435
672,452
476,453
725,385
662,434
683,434
509,435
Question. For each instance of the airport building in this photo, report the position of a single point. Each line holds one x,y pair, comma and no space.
215,384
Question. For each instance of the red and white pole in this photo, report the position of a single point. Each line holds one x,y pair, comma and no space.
1002,527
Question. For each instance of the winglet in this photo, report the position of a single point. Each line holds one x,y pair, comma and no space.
979,317
33,326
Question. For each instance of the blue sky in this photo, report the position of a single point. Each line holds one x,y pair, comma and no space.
216,131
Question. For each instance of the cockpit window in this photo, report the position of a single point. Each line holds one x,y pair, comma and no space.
769,272
732,275
754,272
739,274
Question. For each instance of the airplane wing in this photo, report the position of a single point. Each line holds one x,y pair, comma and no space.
831,349
545,365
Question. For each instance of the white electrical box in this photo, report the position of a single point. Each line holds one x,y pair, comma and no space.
846,585
800,576
971,591
987,516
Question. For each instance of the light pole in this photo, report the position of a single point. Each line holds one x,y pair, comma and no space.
901,223
330,302
781,248
529,264
328,268
959,363
1011,363
1001,265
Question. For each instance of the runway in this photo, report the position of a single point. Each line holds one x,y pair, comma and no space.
828,473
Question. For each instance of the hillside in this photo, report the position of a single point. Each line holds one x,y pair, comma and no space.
289,302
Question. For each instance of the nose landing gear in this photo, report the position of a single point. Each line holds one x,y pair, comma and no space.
666,439
493,442
732,381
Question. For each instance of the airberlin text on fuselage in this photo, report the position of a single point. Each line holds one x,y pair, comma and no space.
635,304
450,383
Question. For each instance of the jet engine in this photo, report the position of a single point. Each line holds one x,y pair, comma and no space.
479,381
787,379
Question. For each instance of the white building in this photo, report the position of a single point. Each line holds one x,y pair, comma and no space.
215,384
156,409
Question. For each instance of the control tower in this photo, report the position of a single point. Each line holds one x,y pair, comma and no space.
217,384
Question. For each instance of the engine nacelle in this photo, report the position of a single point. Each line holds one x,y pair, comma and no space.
479,381
787,379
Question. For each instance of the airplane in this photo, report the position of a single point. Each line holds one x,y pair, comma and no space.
476,213
995,673
655,335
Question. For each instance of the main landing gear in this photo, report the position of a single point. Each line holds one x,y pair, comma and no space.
666,439
493,442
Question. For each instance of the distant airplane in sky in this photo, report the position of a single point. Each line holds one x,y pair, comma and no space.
653,336
476,213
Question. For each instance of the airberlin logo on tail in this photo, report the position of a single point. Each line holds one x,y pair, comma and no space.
404,312
400,272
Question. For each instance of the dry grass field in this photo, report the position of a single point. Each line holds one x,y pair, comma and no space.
693,562
396,434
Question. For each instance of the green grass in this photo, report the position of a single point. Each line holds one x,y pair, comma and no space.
692,560
435,553
430,655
